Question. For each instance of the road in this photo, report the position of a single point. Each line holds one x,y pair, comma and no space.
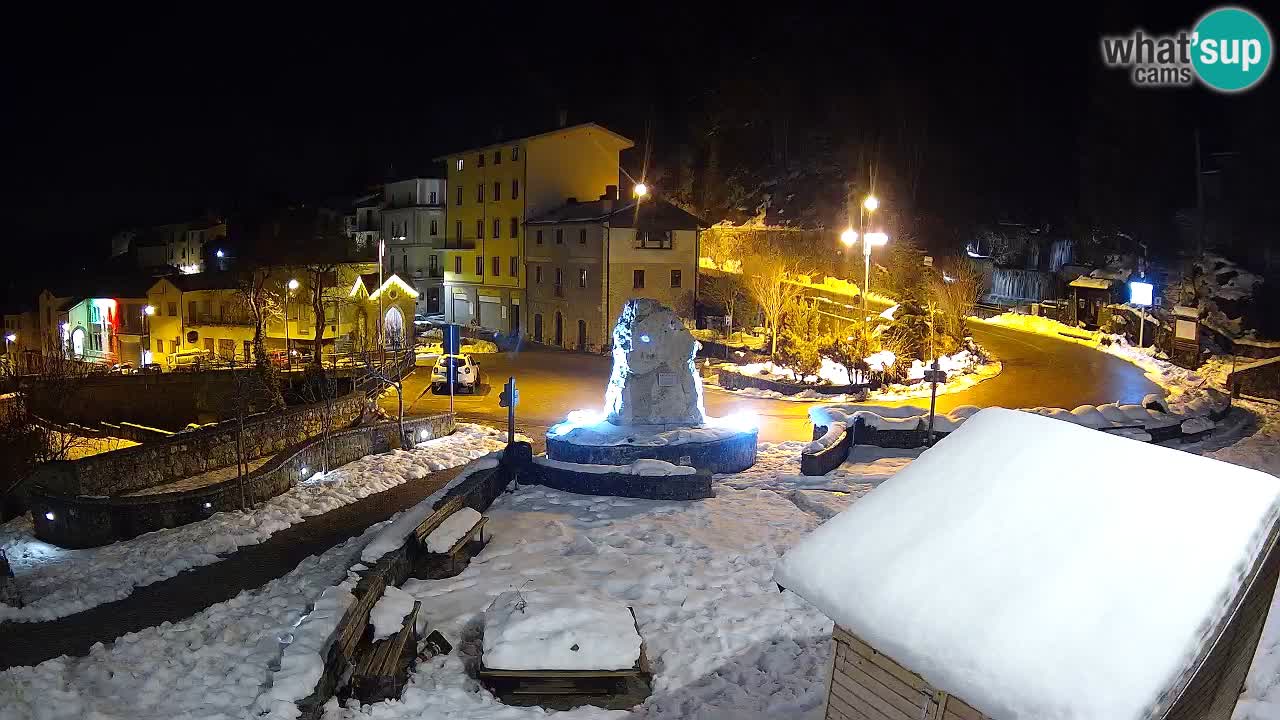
1038,370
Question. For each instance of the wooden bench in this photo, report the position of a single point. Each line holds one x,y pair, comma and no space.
436,565
383,671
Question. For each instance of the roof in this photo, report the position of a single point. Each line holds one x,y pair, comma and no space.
624,141
1093,283
204,281
655,214
1071,574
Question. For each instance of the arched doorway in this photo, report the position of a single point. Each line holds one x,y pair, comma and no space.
393,327
582,334
559,329
537,327
77,342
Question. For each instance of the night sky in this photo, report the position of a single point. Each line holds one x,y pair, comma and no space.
118,122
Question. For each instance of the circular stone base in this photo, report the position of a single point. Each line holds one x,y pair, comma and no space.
729,454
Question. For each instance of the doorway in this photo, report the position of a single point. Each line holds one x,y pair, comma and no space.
537,327
559,330
582,335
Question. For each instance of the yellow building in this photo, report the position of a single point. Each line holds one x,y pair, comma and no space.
207,312
492,191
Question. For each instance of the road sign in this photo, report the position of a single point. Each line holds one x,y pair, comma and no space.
928,261
932,376
451,339
508,398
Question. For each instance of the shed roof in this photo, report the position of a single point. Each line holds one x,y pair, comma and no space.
1070,573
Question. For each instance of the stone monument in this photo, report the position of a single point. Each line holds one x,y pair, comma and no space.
654,379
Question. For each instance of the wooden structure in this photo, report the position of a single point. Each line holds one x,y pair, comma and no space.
563,689
447,564
866,684
383,671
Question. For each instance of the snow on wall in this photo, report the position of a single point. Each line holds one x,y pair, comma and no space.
302,663
1037,582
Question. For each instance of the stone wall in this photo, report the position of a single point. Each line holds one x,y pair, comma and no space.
737,381
733,454
672,487
190,453
92,521
828,458
1260,379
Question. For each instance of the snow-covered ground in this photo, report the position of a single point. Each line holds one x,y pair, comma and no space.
51,580
958,380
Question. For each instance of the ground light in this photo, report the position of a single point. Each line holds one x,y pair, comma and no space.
48,516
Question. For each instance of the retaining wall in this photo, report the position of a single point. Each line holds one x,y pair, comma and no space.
1261,379
667,487
190,453
733,454
830,457
737,381
81,521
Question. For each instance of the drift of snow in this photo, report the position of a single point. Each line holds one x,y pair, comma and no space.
539,630
1075,573
51,579
835,430
302,663
388,614
452,529
606,433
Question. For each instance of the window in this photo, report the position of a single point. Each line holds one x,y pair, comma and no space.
582,277
433,227
675,278
515,153
515,227
431,198
458,231
458,200
480,266
559,277
191,310
497,266
497,157
480,193
515,266
582,236
515,189
459,164
537,274
457,265
404,263
654,240
497,191
637,279
480,229
497,228
559,236
480,160
159,346
538,235
173,309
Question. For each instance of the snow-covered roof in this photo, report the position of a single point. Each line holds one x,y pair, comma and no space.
1036,568
1084,281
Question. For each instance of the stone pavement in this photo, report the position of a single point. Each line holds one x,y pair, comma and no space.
190,592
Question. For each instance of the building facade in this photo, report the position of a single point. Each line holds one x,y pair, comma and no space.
21,337
364,223
492,191
586,259
413,228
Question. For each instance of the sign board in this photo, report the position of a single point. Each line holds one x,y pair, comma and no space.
931,376
666,379
1185,329
451,339
928,261
509,398
1140,293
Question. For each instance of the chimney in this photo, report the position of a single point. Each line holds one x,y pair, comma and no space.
611,192
563,117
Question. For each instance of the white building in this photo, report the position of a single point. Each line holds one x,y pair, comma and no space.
413,229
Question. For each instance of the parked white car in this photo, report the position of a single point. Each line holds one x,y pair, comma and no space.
468,377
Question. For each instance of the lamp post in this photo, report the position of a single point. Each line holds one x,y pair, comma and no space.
288,352
147,312
9,340
869,241
869,205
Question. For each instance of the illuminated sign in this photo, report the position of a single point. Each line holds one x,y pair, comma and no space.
1140,293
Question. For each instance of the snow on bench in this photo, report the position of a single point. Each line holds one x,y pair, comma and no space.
646,467
542,630
453,529
1039,569
388,614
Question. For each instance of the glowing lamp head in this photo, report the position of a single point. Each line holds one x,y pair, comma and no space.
641,190
644,338
872,203
422,434
220,254
304,472
875,239
11,337
48,516
1140,293
293,284
149,310
849,237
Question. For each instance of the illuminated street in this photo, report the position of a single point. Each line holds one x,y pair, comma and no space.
1037,371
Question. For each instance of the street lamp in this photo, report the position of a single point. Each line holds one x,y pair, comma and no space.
871,203
849,237
288,353
147,312
641,190
869,240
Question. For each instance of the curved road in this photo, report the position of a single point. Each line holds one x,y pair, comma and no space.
1038,370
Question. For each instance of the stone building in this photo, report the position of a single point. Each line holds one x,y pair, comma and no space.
586,259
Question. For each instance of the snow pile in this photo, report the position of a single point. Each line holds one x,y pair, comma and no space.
302,663
51,579
388,614
452,529
883,417
537,630
645,467
585,428
1014,582
1038,325
394,534
835,431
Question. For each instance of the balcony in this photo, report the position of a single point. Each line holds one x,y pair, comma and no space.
230,319
434,273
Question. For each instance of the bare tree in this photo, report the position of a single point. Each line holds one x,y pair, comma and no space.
954,290
248,394
724,246
260,293
724,290
321,278
769,284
